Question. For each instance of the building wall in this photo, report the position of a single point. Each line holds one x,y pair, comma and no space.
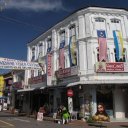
86,22
86,26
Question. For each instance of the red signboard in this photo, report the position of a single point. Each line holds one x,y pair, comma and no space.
111,67
49,63
69,92
37,79
114,66
62,73
17,84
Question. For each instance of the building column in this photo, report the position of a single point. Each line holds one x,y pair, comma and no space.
126,26
119,104
82,57
81,22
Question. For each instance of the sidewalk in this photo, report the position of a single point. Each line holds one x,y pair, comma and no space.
114,124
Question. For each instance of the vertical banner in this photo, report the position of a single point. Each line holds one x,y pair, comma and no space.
121,42
49,69
70,104
1,85
102,45
72,51
118,41
61,56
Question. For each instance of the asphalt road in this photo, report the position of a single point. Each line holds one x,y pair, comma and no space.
8,120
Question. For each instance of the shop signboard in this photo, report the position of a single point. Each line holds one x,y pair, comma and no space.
49,69
111,67
63,73
67,80
17,85
70,104
40,116
37,79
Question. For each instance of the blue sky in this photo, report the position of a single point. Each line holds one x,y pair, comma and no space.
23,20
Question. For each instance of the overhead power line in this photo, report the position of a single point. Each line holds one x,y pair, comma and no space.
9,19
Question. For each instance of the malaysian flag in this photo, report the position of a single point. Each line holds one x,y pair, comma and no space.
61,55
102,45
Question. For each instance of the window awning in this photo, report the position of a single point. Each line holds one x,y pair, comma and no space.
42,87
24,90
75,83
97,82
30,89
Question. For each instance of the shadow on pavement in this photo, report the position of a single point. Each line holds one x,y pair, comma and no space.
8,115
125,126
97,125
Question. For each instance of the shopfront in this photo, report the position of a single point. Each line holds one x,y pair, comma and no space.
64,77
104,94
39,96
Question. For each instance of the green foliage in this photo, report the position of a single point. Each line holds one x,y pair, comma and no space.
90,120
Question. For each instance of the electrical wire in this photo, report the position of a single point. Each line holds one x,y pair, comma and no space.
9,19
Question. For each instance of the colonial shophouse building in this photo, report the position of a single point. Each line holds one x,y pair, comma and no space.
87,53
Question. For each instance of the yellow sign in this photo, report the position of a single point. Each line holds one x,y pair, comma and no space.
1,80
1,85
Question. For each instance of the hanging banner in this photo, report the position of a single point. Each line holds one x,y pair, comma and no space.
102,45
72,51
61,55
49,69
119,45
70,104
6,63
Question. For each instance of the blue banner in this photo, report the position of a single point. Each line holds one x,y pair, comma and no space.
116,45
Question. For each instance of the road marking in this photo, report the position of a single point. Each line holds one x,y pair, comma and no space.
21,120
6,123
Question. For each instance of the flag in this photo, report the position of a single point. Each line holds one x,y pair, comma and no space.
102,45
61,58
118,41
121,42
72,51
61,55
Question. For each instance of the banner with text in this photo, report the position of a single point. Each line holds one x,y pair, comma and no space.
6,63
49,69
111,67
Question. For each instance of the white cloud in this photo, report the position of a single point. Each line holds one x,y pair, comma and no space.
35,5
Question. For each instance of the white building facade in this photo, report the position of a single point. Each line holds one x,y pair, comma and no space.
87,52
